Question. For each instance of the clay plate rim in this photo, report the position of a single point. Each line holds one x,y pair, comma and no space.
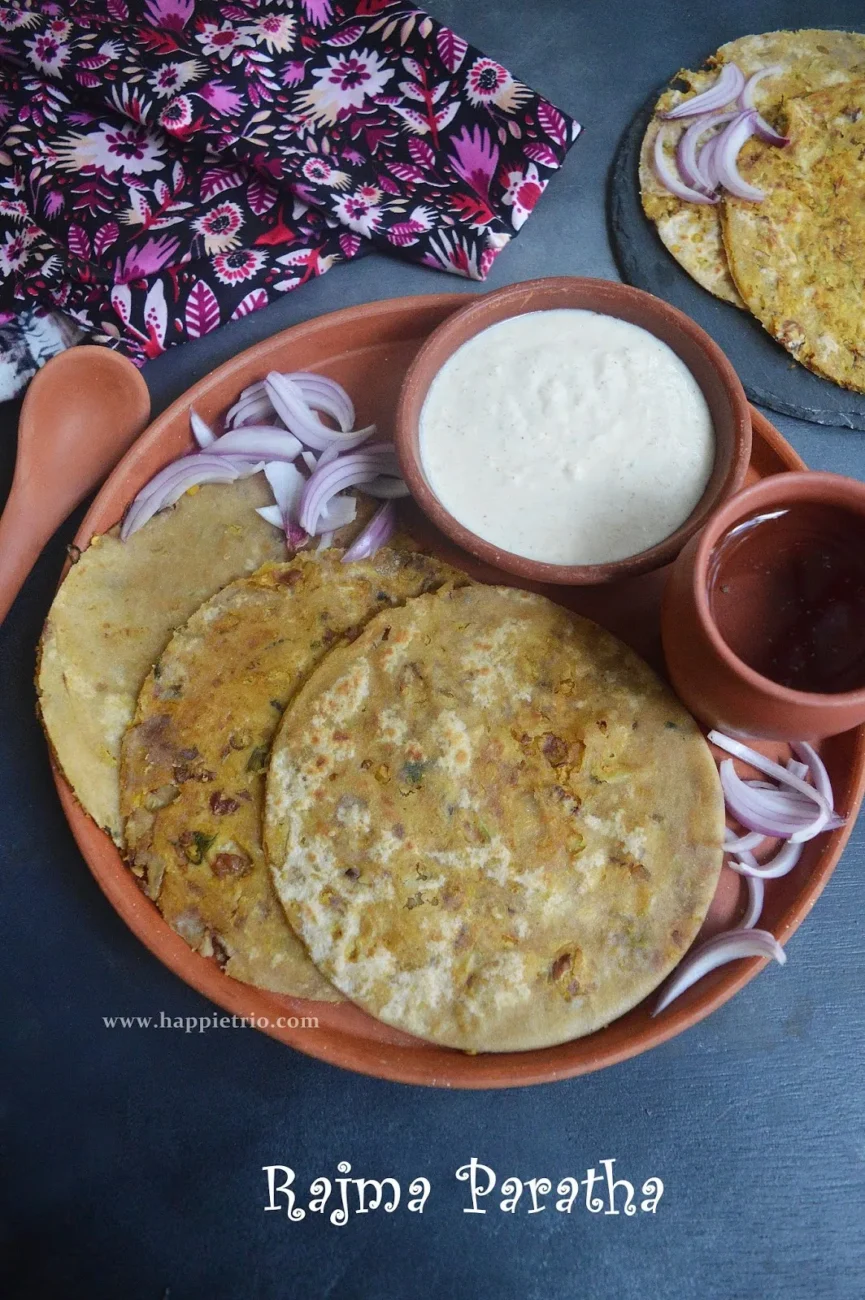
391,1055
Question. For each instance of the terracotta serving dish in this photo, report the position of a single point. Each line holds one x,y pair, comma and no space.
369,349
707,363
712,681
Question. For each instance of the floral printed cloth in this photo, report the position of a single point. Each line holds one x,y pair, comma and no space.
168,165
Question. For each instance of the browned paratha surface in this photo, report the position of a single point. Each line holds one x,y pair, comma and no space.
490,823
798,257
807,60
195,760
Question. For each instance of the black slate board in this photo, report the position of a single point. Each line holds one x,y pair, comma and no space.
768,373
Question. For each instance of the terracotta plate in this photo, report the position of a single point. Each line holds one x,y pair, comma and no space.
368,349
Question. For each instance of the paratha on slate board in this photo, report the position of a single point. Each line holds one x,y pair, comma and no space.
769,374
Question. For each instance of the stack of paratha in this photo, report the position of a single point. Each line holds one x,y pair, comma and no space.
195,760
475,814
796,259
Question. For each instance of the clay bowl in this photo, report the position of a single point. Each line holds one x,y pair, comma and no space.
713,682
707,363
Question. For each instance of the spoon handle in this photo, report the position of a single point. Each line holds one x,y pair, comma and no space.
21,541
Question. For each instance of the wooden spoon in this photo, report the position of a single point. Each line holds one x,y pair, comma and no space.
82,411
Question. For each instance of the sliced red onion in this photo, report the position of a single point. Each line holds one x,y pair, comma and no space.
297,416
272,515
379,530
798,769
319,392
755,759
345,471
690,166
768,133
732,946
820,776
686,158
325,395
169,484
756,898
815,826
728,86
244,465
750,808
325,541
252,407
746,100
201,430
821,780
258,440
252,390
788,803
295,536
726,153
781,864
736,844
706,162
386,488
746,95
309,460
338,512
286,484
330,453
176,468
671,181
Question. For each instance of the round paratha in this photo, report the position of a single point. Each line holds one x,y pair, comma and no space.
807,61
114,612
490,822
798,257
194,762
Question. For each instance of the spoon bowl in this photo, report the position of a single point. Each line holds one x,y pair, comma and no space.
82,411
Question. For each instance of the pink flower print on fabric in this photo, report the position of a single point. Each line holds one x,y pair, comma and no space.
170,15
275,32
221,97
48,53
359,212
475,158
346,83
197,160
524,190
319,12
141,262
129,149
321,172
177,116
172,77
220,227
224,41
241,264
489,83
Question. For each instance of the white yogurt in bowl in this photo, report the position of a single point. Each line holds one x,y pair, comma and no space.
567,436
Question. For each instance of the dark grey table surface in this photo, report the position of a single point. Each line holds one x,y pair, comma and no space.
133,1159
